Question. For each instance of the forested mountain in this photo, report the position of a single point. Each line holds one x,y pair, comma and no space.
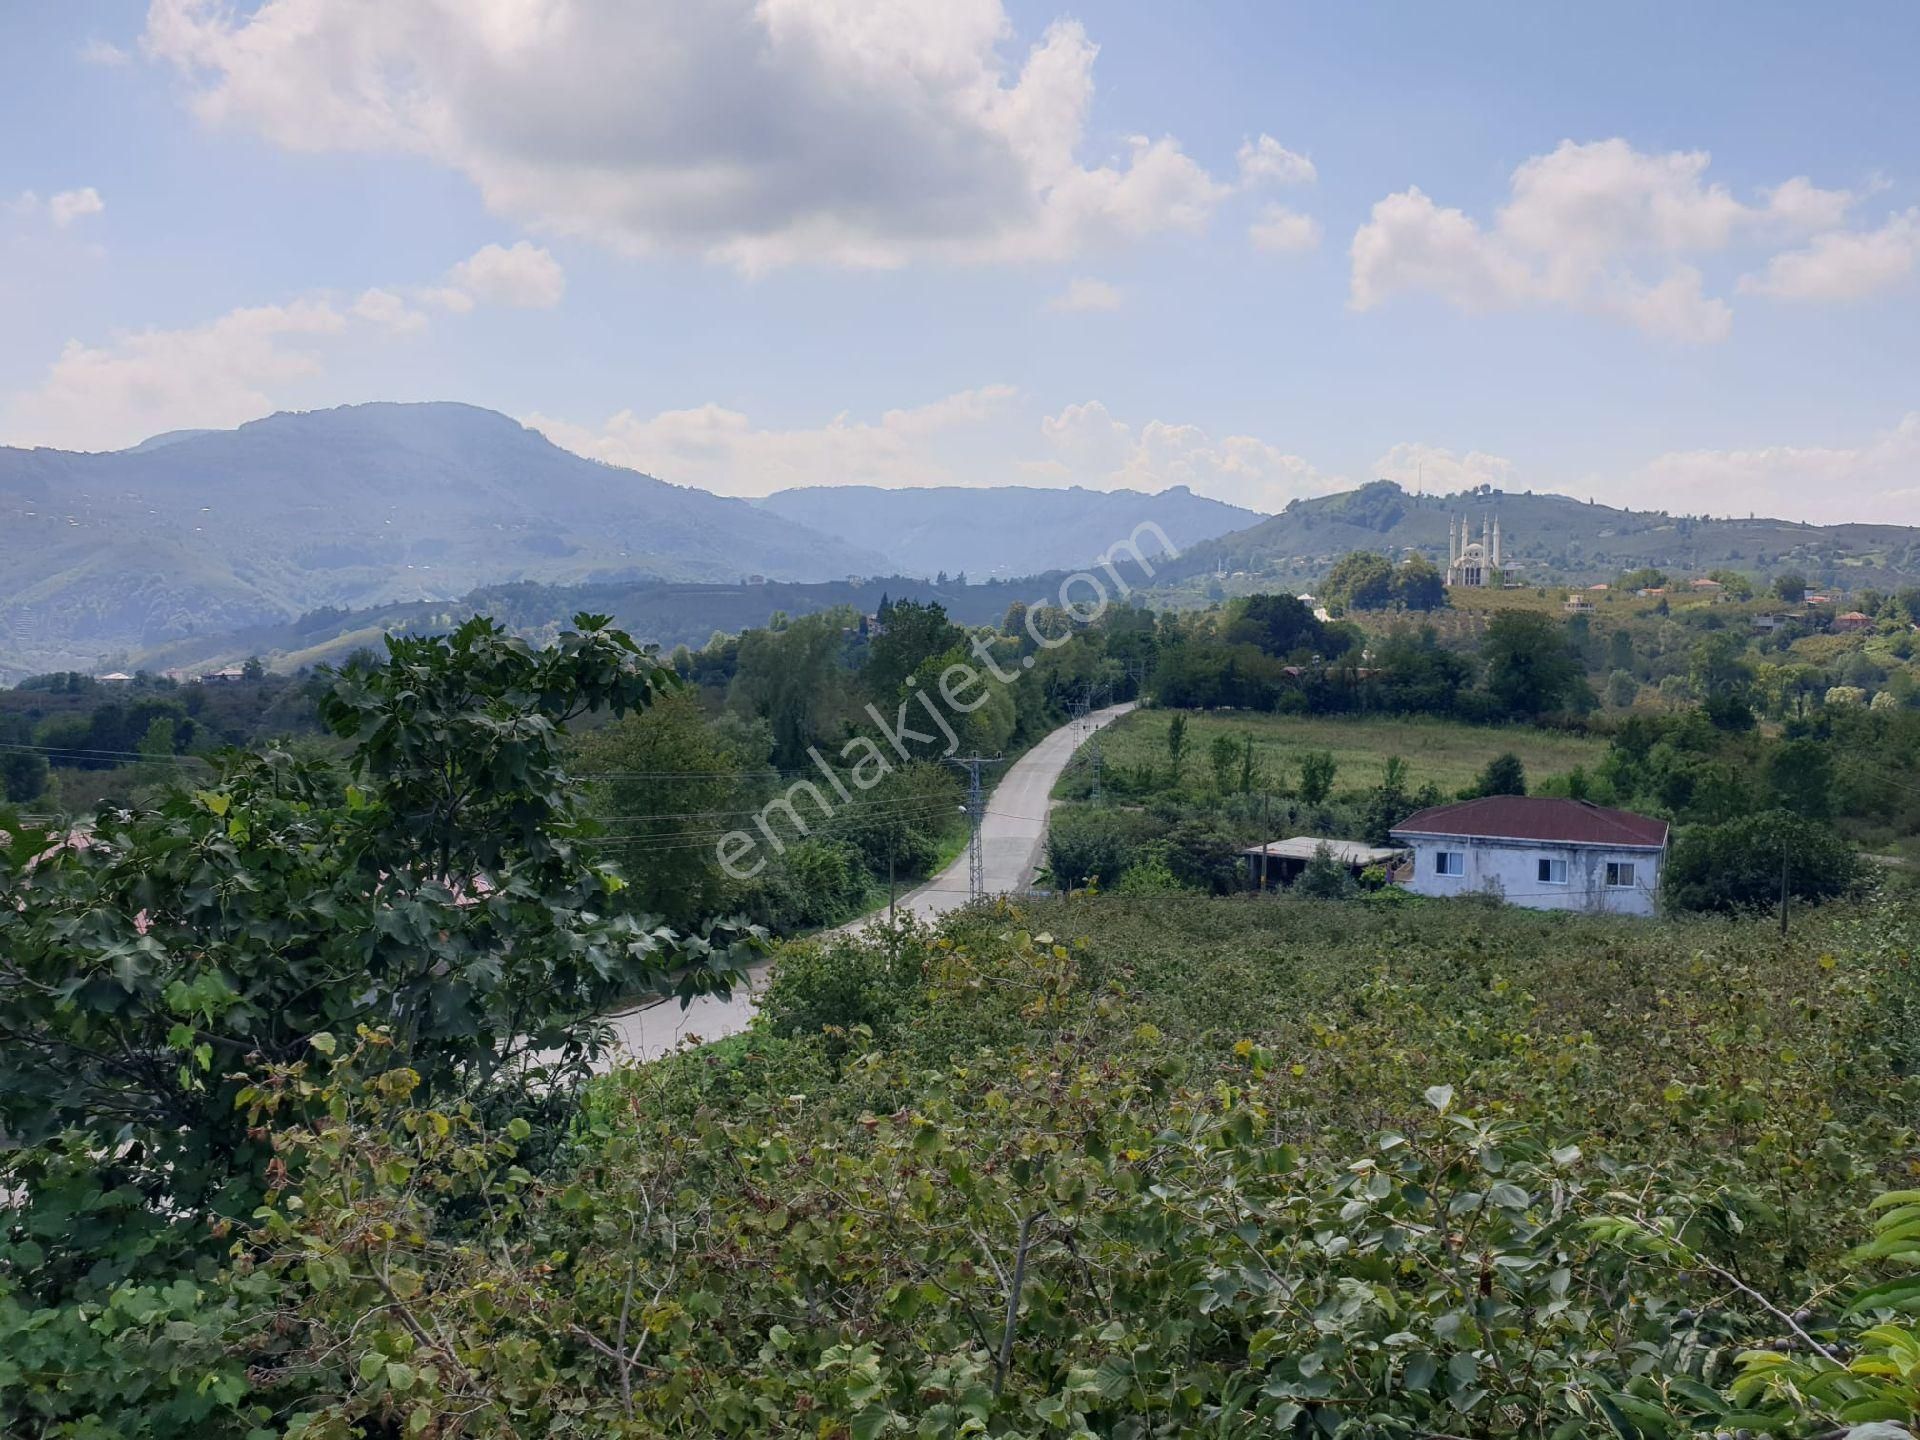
1001,530
201,533
1552,537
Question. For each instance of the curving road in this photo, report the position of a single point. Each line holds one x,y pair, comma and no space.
1011,836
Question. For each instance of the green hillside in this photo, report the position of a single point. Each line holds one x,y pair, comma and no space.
1550,538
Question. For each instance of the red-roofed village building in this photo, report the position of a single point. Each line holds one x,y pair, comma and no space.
1543,853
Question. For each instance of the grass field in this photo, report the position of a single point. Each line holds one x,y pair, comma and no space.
1445,752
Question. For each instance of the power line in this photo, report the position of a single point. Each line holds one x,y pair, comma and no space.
81,750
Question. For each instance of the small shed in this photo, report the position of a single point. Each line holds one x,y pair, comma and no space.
1279,862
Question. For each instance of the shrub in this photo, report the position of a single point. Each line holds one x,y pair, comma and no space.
1324,877
837,983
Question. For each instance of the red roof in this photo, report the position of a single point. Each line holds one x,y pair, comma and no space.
1537,817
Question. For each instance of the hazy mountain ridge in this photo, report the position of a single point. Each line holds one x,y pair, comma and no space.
1001,531
203,533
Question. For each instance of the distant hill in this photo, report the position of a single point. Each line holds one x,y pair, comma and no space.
1551,538
1000,531
201,533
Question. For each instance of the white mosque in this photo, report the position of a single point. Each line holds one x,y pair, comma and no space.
1472,562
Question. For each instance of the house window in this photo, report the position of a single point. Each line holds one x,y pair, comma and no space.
1449,862
1619,874
1552,872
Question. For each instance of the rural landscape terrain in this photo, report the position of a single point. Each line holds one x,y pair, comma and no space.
932,721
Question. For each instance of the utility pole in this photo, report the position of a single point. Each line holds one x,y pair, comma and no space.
976,813
1093,742
1783,890
889,875
1266,836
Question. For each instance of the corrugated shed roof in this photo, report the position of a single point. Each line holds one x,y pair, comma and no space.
1537,817
1305,847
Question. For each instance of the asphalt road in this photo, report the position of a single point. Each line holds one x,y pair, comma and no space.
1011,836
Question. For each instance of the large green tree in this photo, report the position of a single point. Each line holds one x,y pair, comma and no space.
914,633
1531,669
1418,585
1359,580
663,782
437,890
1743,863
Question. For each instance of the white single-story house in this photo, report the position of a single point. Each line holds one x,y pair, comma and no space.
1543,853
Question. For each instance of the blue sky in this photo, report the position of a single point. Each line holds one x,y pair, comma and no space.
1662,255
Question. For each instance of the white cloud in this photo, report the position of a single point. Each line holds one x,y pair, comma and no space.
976,437
722,450
1676,308
1283,231
1411,244
63,208
1878,479
103,52
1800,205
146,381
235,368
1436,470
1090,447
1267,161
70,205
1598,227
762,133
389,311
521,275
1843,264
1085,293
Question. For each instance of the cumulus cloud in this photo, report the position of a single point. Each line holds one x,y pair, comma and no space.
1877,479
1599,227
389,311
1085,293
1283,231
1432,469
1091,447
62,208
108,394
146,381
1267,161
70,205
1843,264
722,450
521,275
761,133
975,437
103,52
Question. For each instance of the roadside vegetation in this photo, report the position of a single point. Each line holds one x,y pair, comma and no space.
297,1045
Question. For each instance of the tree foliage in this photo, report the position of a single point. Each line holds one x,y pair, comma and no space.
440,894
1531,669
1743,863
